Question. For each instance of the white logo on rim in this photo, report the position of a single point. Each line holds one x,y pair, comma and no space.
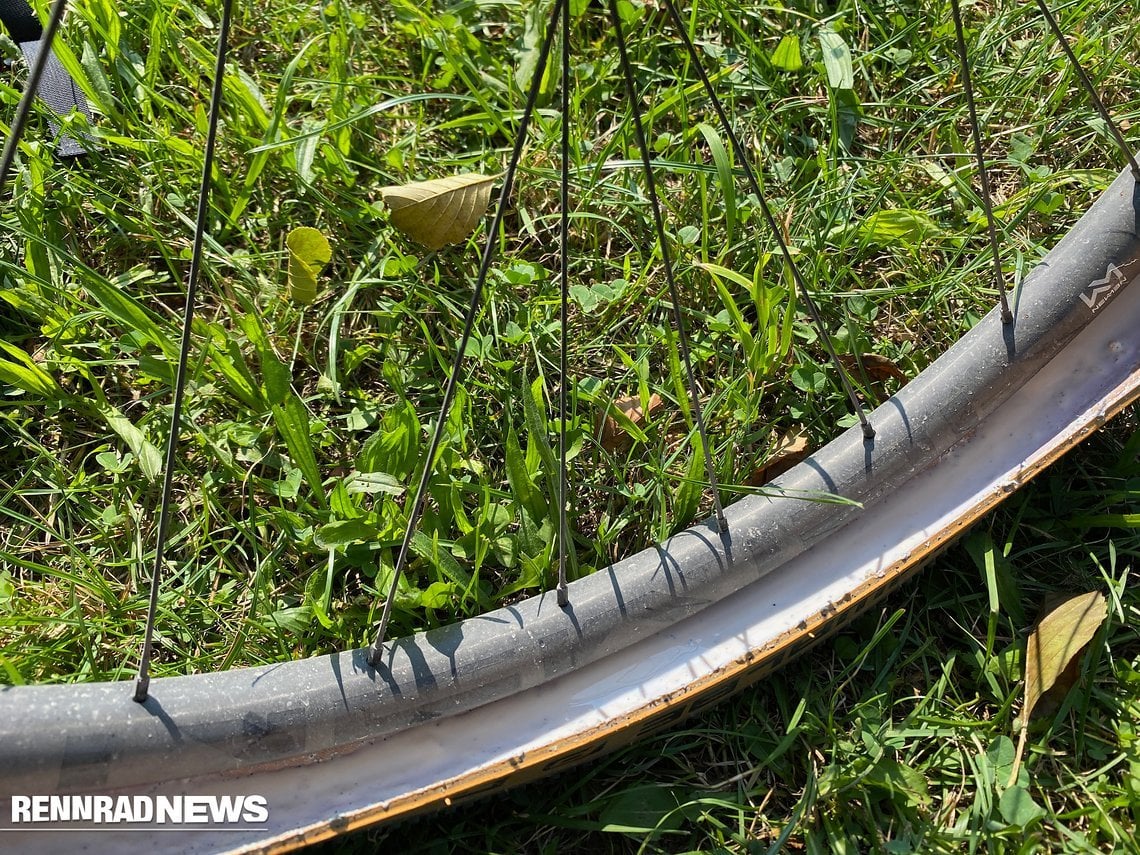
1098,291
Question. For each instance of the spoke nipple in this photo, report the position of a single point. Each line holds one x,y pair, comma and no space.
375,653
721,522
563,596
868,431
142,686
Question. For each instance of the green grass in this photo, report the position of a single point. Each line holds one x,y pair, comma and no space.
304,426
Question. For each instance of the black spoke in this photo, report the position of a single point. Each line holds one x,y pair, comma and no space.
24,108
1090,89
415,509
983,176
754,185
564,284
143,682
666,261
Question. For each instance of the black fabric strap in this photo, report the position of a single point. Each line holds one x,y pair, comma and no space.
57,89
20,21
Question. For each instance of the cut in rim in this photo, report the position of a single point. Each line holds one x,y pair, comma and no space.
251,726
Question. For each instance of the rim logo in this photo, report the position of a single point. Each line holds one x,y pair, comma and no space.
1096,292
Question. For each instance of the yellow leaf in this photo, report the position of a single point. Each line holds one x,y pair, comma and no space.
309,251
1052,651
1056,641
441,211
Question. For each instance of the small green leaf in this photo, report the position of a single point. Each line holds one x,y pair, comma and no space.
836,60
536,426
897,226
344,532
724,176
527,493
150,461
276,376
292,420
394,448
33,380
428,549
1021,148
437,596
309,251
898,56
288,487
1001,582
647,809
1000,759
1018,808
898,778
7,587
529,51
786,56
373,482
318,593
686,499
590,297
809,379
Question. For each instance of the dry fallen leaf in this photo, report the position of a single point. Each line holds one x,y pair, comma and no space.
790,450
1052,654
441,211
878,368
1058,639
613,436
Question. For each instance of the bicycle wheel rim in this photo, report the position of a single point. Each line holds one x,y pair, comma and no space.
991,412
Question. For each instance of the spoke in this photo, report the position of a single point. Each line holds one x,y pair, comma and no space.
376,649
1090,89
666,260
564,283
754,185
143,683
24,108
983,176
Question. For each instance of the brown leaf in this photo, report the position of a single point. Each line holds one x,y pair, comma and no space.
1056,642
1052,655
878,368
614,436
790,450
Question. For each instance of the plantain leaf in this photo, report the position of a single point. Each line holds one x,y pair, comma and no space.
24,373
441,211
292,420
836,60
150,461
309,251
724,174
898,227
